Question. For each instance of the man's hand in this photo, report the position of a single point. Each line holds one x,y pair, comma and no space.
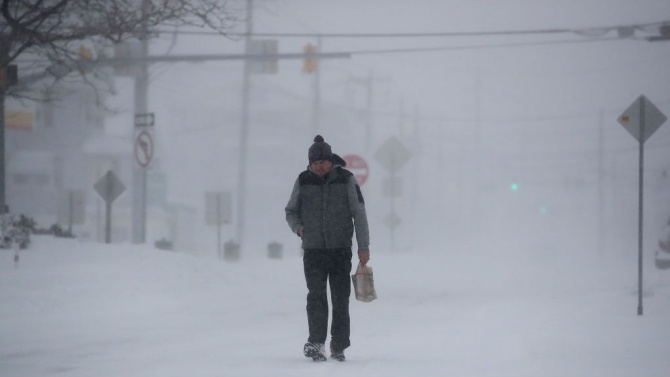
300,230
363,257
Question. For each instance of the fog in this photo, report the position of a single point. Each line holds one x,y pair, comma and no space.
518,197
477,113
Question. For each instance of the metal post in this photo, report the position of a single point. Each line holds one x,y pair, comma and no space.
70,210
368,128
393,194
108,221
139,215
218,225
601,187
316,102
3,203
108,213
244,131
640,207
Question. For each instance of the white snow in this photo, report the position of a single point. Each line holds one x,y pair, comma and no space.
71,308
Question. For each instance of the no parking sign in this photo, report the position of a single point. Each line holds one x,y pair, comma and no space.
144,148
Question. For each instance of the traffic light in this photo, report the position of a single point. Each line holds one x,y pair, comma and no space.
310,64
514,187
85,55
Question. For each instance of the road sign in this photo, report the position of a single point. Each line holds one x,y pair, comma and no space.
144,120
393,155
144,148
357,165
642,111
641,119
109,187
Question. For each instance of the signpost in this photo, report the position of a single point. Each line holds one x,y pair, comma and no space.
641,119
109,187
392,155
72,208
143,149
218,211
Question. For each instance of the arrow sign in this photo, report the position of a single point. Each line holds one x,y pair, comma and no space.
640,112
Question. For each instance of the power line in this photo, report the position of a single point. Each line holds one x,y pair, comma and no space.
621,29
482,46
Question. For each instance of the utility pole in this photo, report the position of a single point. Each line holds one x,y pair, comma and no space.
3,203
369,119
368,125
477,151
601,186
244,130
8,78
316,103
139,214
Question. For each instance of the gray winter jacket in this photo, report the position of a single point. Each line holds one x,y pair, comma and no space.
329,209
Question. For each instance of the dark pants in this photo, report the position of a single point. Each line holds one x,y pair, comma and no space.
334,266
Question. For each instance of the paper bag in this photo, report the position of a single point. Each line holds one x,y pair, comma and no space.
364,285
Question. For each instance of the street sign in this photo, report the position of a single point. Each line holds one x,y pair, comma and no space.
357,165
144,119
109,187
393,155
641,119
642,110
144,148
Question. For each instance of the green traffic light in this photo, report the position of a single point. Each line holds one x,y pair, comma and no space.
514,186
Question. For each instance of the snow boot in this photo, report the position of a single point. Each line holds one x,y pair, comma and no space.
336,354
317,351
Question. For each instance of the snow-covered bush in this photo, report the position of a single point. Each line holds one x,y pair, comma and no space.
15,229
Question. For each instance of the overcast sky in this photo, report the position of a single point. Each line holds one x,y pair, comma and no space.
478,113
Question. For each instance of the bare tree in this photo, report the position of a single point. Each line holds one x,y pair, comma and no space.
46,37
50,31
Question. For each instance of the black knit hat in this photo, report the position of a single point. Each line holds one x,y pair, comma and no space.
320,150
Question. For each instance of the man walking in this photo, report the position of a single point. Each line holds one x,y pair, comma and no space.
325,207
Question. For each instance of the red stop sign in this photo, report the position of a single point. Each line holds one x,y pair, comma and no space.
358,166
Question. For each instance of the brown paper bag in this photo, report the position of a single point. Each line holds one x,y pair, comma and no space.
364,285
